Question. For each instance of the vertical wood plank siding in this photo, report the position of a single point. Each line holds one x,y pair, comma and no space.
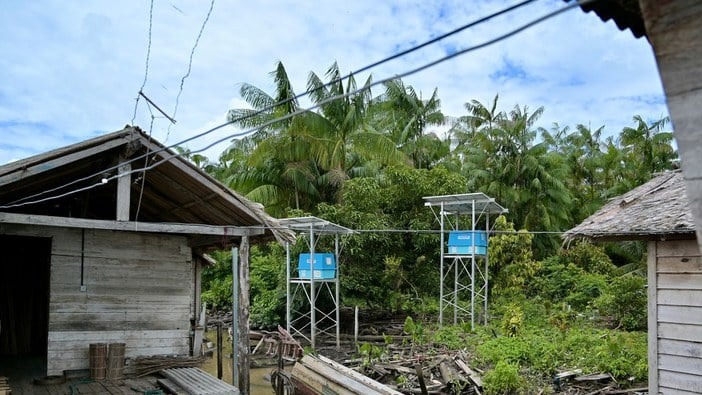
678,309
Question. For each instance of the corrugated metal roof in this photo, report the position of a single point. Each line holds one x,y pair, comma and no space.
198,382
625,13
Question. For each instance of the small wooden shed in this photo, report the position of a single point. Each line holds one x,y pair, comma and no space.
674,31
103,241
659,212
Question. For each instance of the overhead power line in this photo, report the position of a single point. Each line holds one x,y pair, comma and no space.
146,65
23,201
190,65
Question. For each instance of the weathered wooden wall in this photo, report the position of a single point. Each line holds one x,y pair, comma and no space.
675,324
139,290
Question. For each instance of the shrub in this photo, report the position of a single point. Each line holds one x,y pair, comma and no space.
626,302
503,379
590,258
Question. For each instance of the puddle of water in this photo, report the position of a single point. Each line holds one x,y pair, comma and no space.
259,377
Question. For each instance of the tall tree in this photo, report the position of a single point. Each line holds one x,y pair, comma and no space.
405,116
503,160
277,170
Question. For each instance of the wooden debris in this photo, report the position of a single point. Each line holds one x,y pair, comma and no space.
317,375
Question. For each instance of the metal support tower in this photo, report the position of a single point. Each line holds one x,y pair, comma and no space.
304,318
462,277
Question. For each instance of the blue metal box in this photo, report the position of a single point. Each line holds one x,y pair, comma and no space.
323,267
463,242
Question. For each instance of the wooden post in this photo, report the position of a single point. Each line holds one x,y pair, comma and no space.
674,31
244,355
219,350
235,316
420,377
124,184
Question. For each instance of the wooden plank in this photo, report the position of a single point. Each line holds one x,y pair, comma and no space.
681,381
680,314
104,325
680,281
677,248
653,295
676,363
680,264
680,348
109,336
675,391
130,226
680,332
674,297
124,186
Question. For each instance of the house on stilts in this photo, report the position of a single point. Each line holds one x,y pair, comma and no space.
104,241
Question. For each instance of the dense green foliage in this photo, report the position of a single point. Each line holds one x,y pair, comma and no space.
366,161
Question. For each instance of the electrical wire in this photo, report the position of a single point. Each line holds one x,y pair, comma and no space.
260,111
148,55
190,65
21,202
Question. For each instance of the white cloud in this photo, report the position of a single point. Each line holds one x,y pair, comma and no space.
71,70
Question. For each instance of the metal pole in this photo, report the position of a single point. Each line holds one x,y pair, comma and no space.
441,268
472,269
288,302
313,308
235,316
456,279
337,280
487,245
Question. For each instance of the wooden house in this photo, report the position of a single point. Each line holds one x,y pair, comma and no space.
103,241
674,31
659,212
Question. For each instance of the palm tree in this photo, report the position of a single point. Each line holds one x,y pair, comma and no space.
504,161
405,116
648,147
272,165
341,139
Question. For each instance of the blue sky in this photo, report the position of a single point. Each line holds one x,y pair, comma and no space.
71,70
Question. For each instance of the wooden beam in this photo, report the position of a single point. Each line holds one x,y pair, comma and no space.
131,226
675,33
652,265
124,182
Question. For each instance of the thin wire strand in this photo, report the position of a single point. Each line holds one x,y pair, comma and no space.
143,174
255,113
190,65
299,112
146,66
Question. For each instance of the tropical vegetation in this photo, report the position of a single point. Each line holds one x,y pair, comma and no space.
365,159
